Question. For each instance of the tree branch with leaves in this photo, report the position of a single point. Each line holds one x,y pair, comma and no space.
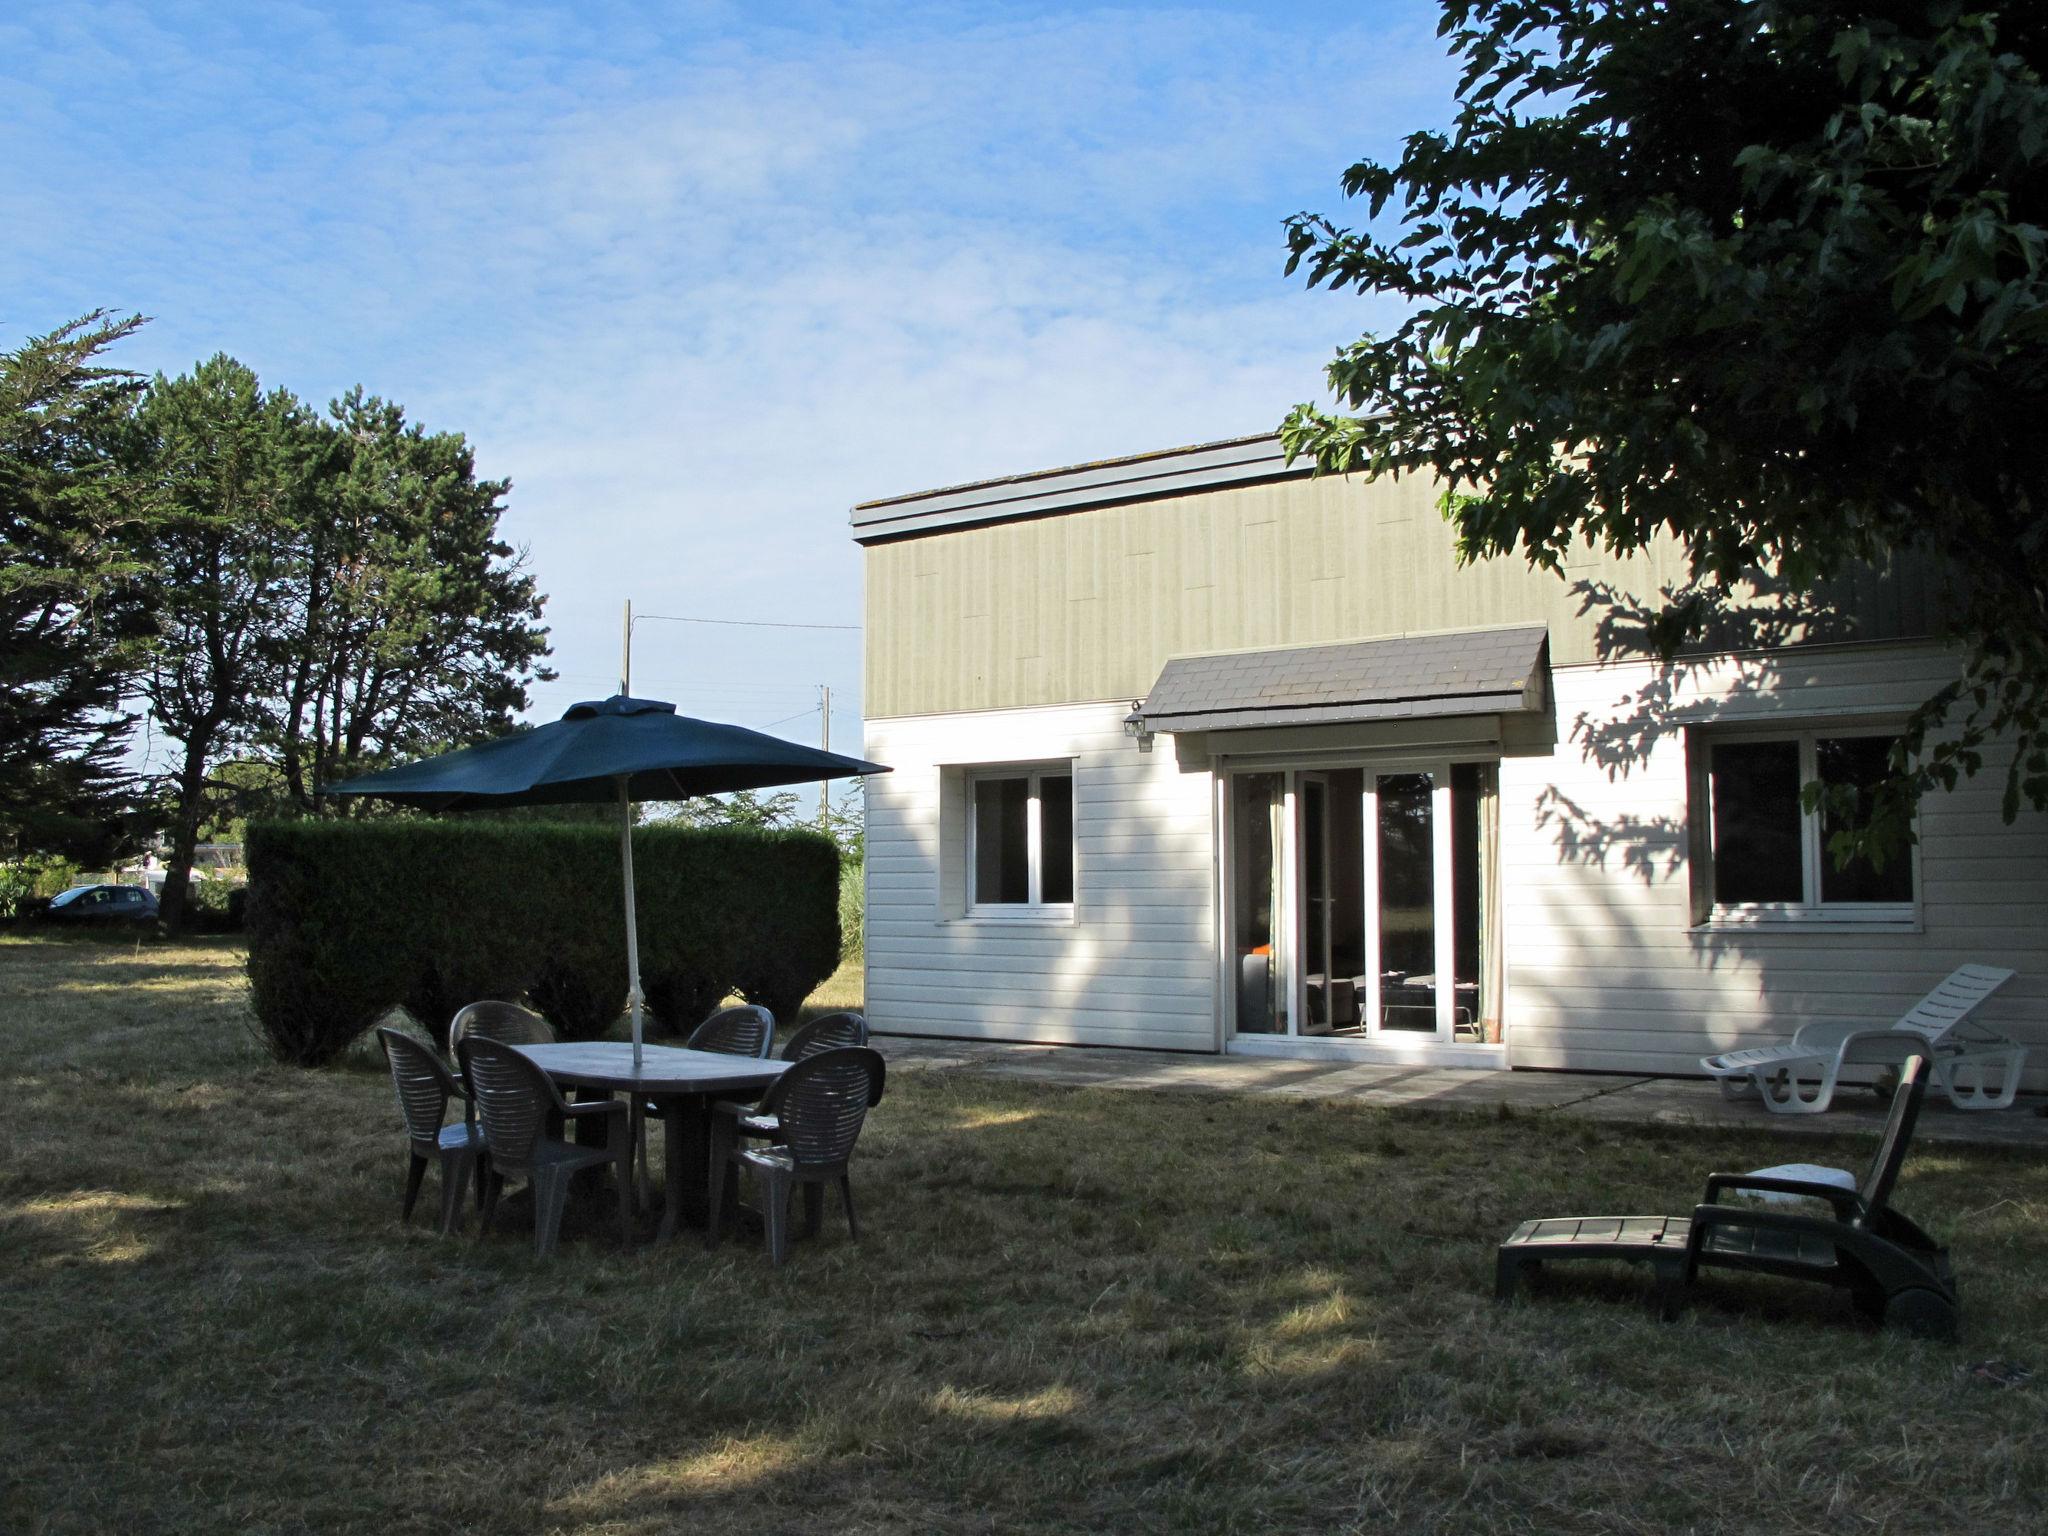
1768,278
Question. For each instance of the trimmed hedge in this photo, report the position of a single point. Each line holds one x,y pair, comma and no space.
348,919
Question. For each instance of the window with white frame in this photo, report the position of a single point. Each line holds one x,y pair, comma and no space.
1021,840
1761,855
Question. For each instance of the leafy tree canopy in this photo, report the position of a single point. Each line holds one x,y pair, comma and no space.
1766,276
70,614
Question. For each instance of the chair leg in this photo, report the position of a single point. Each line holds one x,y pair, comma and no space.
1966,1079
776,1191
494,1186
1783,1094
846,1199
550,1198
1671,1289
814,1209
414,1174
455,1166
1507,1275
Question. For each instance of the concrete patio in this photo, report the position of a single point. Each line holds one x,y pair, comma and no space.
1576,1095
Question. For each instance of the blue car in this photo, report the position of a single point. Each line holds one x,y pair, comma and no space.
102,904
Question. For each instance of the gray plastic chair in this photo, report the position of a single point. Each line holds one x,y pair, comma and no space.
496,1020
425,1085
515,1102
741,1030
828,1032
820,1105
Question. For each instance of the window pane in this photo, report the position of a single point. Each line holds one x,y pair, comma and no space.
1757,843
1859,761
1002,871
1056,834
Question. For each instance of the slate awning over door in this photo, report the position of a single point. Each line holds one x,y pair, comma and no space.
1406,677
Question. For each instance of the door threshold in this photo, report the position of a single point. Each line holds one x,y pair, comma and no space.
1372,1051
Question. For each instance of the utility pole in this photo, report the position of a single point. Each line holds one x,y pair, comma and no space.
825,744
626,653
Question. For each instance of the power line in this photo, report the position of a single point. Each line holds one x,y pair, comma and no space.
677,618
799,715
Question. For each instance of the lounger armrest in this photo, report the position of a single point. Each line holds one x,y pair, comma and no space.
1846,1202
1890,1045
1824,1036
1705,1218
1970,1032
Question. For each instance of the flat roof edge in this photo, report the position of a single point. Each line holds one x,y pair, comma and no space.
1042,493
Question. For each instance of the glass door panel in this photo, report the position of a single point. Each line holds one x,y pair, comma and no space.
1405,901
1313,798
1475,900
1258,883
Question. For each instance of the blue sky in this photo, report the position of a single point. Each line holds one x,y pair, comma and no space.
696,278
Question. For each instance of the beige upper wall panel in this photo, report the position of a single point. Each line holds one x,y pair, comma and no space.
1086,606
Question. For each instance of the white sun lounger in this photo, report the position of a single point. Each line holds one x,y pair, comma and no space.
1975,1067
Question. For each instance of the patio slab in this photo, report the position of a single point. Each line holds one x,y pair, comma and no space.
1665,1101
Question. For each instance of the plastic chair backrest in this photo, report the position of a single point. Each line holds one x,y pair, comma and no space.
827,1033
423,1081
1898,1132
1962,993
512,1098
822,1101
496,1020
742,1030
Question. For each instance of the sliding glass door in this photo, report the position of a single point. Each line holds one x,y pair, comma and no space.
1363,902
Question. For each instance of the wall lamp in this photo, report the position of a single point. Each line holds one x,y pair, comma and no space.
1134,726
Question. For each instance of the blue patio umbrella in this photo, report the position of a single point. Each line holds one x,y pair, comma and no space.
622,749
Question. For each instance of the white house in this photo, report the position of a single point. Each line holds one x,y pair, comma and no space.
1195,751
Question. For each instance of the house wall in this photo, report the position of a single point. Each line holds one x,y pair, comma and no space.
1131,969
1605,970
1089,604
1025,640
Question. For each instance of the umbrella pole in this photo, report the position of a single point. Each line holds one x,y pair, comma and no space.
633,993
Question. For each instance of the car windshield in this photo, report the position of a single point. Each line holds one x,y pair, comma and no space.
72,895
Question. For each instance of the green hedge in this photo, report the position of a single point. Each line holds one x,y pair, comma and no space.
347,919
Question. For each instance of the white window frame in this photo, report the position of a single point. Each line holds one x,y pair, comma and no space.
1810,911
1034,908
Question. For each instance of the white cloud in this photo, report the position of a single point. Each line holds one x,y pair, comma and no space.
698,282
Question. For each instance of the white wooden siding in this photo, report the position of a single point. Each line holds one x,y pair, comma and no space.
1132,968
1604,968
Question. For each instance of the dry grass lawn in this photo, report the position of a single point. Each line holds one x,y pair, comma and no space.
1073,1311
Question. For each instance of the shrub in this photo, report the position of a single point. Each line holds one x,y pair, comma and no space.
852,909
214,905
348,919
27,885
17,885
56,876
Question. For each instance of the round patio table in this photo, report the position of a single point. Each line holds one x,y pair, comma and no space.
685,1083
